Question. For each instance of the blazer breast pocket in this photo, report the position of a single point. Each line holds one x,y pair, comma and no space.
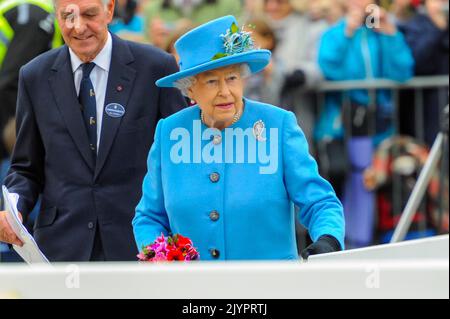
46,217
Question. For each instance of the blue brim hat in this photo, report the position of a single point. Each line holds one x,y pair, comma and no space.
218,43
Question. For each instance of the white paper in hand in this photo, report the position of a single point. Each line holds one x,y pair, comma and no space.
29,252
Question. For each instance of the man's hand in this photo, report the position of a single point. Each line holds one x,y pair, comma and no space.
7,235
325,244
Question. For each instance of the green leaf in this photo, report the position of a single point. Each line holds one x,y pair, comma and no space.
219,56
234,28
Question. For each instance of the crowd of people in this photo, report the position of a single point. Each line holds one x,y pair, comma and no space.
317,40
314,41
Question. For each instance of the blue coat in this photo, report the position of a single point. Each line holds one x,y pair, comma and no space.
245,211
52,155
367,55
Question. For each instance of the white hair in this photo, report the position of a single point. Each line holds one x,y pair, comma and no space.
186,83
105,2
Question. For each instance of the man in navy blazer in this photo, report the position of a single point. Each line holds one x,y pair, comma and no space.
88,167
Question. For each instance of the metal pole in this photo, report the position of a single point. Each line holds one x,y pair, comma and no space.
442,177
443,116
418,191
396,178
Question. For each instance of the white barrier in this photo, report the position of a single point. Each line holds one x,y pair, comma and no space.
386,279
428,248
386,276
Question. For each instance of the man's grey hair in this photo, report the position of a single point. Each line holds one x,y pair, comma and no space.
105,2
186,83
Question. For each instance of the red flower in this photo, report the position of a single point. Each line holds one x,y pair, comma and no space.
175,254
183,241
171,247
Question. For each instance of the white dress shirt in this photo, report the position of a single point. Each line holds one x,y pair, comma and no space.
99,79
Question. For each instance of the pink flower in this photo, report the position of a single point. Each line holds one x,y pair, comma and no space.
176,248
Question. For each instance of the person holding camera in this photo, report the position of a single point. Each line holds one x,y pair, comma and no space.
366,45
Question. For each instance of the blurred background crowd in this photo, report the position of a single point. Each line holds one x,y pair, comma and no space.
366,79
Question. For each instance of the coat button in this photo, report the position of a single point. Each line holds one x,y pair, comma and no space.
214,177
214,216
215,253
90,225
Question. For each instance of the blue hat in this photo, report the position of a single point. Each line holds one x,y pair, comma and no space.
213,45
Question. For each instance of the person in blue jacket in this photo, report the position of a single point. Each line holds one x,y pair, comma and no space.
227,171
365,45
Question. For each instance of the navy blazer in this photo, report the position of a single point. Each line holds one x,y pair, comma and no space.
52,155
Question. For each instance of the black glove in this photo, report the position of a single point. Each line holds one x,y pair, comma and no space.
325,244
294,80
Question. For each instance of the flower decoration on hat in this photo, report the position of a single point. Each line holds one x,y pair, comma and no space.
235,42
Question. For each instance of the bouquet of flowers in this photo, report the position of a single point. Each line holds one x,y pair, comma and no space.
172,248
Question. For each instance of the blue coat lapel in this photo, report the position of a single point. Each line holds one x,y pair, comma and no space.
63,89
120,75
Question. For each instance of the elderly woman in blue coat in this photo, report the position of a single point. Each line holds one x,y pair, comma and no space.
227,171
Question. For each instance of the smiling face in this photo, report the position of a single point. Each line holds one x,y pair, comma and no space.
84,25
219,95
